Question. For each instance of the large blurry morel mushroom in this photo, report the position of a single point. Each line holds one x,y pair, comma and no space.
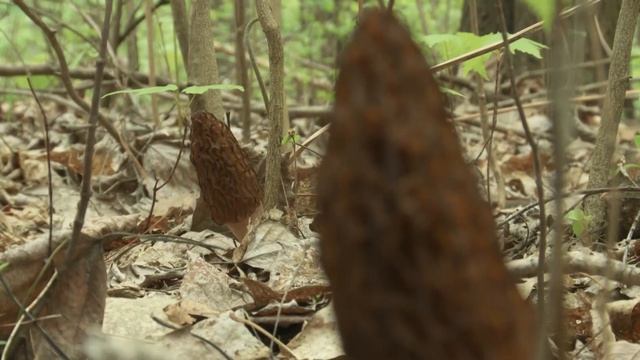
228,183
407,242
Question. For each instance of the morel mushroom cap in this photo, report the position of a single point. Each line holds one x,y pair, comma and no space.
407,242
228,184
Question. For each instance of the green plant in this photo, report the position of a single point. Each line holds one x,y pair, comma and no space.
579,221
191,90
452,45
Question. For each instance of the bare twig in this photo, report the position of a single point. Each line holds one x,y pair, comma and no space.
560,89
264,332
536,160
254,64
148,15
486,132
85,192
242,75
157,188
585,192
134,22
47,146
579,261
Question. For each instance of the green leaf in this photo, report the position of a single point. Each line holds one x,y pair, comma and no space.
291,139
448,91
144,91
636,140
452,45
545,9
477,65
528,47
575,215
578,227
201,89
579,221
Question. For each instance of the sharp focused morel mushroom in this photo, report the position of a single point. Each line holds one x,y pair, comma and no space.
407,242
228,183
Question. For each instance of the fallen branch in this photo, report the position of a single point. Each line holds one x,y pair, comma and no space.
580,262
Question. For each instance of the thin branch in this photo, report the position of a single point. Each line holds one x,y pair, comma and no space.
134,22
495,46
47,145
537,168
254,64
585,192
560,89
85,192
579,261
264,332
157,188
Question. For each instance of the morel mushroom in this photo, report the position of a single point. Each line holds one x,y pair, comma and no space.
228,183
407,242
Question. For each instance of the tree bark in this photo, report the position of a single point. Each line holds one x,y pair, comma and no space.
276,104
611,112
203,67
276,10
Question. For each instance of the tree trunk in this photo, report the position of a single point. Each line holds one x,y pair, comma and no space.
276,104
611,111
203,67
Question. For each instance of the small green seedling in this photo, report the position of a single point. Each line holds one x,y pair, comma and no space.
195,89
291,139
579,221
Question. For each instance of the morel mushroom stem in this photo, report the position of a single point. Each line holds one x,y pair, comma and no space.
228,184
407,242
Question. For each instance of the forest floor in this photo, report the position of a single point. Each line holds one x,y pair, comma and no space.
167,283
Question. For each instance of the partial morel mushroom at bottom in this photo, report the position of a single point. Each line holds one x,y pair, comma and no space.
228,183
407,242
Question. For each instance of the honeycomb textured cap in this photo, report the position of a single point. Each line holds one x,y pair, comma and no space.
228,183
407,242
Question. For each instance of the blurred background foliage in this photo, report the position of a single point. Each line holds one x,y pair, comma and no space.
313,31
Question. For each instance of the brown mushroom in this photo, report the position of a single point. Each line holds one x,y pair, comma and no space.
228,183
407,242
